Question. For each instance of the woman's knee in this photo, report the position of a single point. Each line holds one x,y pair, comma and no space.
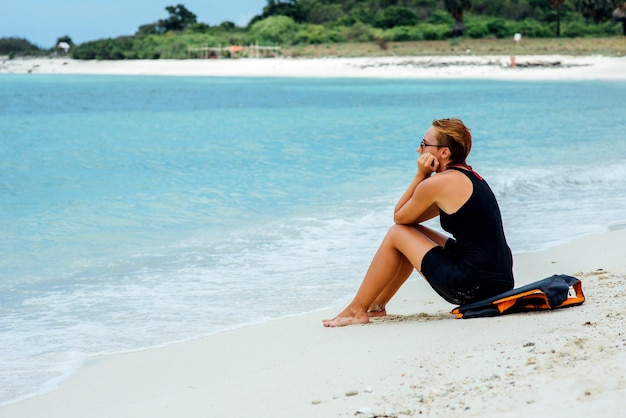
397,233
396,230
402,235
409,241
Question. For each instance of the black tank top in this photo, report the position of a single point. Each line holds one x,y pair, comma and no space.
481,246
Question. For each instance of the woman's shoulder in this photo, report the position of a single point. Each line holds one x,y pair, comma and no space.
465,169
456,179
453,189
450,174
449,181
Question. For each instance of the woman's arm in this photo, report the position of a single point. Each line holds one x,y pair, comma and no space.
430,213
408,193
417,204
420,206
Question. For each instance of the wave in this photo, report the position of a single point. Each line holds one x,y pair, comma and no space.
514,181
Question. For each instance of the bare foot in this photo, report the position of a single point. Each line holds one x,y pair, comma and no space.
376,310
341,321
377,313
349,316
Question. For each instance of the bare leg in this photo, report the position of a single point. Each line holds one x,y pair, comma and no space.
378,307
433,235
402,247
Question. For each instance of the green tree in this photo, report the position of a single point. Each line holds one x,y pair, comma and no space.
65,38
456,8
18,46
556,4
198,28
619,15
274,29
289,8
227,25
318,13
179,19
598,10
498,27
440,17
397,16
148,29
359,32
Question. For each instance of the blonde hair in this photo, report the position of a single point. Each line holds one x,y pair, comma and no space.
452,133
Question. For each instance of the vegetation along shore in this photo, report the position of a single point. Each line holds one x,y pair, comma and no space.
317,28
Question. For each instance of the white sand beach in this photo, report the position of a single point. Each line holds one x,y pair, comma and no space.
417,361
549,67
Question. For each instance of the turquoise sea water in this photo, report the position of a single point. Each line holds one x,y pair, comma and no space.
139,211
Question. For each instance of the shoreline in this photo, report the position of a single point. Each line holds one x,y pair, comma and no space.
330,310
531,67
417,360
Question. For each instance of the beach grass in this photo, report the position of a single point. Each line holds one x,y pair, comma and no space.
609,46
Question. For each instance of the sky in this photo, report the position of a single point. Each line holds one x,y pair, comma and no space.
42,22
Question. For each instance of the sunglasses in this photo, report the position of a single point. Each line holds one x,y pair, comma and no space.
423,144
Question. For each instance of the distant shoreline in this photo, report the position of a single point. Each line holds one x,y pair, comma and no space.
527,67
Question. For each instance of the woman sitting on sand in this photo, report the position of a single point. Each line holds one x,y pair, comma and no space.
473,265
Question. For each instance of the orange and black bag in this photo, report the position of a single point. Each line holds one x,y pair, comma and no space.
557,291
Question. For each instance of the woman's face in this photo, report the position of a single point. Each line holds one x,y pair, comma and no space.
429,145
429,142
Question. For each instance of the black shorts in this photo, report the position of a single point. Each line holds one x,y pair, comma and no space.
453,281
